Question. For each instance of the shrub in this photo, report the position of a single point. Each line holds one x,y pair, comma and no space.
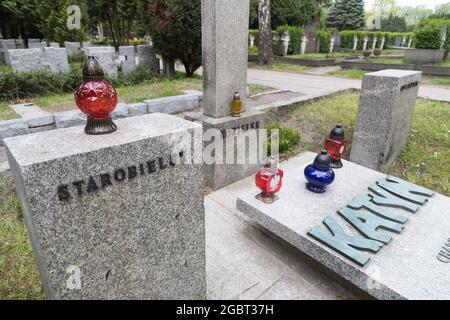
23,85
289,138
428,34
295,33
324,37
76,58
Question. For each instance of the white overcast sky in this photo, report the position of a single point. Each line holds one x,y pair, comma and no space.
412,3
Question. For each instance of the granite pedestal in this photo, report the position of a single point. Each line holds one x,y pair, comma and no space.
410,258
118,216
385,115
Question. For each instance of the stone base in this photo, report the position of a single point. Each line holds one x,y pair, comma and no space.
234,130
117,216
411,263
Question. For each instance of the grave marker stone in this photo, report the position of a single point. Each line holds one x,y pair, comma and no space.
106,56
384,117
28,60
147,57
129,63
118,216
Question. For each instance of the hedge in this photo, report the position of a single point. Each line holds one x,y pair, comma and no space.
427,34
324,37
348,35
23,85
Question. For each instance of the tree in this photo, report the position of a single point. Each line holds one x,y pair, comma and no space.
290,12
117,15
175,27
347,15
265,33
393,24
413,15
22,14
385,8
52,20
442,11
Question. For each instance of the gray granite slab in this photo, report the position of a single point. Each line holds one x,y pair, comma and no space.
111,217
411,266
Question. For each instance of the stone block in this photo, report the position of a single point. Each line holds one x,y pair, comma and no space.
120,112
225,54
29,60
239,144
384,119
147,57
68,119
137,109
118,216
128,64
173,105
73,48
12,128
106,57
411,264
422,56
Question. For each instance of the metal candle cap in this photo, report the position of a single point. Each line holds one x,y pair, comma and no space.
323,160
92,69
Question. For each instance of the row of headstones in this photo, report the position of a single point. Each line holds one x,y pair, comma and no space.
55,59
401,41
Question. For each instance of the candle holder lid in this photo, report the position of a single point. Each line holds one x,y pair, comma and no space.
323,160
92,69
338,132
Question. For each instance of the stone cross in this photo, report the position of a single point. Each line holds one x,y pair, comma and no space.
374,44
383,40
331,45
410,41
303,45
225,54
285,38
252,41
355,42
366,39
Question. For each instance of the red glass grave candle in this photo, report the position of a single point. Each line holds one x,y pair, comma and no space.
335,145
97,98
270,180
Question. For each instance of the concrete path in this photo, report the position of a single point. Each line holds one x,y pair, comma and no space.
321,85
243,262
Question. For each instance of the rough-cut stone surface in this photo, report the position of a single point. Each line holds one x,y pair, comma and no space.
121,111
68,119
384,119
129,63
54,45
173,105
73,48
106,57
28,60
242,133
141,238
37,45
33,115
137,109
12,128
406,268
147,57
225,54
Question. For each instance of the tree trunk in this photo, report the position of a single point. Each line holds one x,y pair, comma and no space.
265,33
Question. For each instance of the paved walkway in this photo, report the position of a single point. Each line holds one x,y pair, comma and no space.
243,262
321,85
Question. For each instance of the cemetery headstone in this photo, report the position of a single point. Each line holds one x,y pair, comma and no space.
382,234
384,119
118,216
106,56
225,56
37,45
310,34
73,48
355,42
147,57
129,63
28,60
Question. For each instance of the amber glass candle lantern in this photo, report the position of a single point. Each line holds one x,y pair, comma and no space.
236,105
335,145
96,98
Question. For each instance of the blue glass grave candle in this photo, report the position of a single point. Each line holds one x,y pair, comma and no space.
319,174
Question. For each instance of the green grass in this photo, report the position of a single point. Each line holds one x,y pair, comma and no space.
283,67
445,63
5,68
325,55
348,73
437,81
18,271
257,88
6,113
386,60
423,161
128,94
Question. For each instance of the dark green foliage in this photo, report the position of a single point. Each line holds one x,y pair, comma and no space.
289,12
15,85
289,138
347,15
394,24
428,34
295,33
324,36
175,28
